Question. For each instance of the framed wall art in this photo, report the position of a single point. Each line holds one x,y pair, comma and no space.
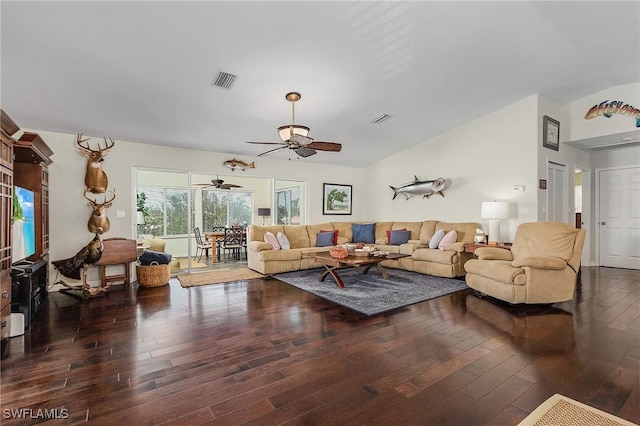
336,199
550,133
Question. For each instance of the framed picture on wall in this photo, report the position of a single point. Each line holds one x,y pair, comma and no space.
550,133
336,199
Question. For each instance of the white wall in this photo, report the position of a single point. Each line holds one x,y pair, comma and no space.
482,161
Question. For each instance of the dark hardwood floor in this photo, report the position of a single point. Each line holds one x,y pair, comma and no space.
261,352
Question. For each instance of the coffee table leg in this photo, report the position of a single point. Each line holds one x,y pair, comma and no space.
385,274
336,277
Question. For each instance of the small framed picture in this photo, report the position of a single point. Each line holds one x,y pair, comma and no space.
336,199
550,133
543,184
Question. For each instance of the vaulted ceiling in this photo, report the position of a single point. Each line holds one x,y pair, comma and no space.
142,71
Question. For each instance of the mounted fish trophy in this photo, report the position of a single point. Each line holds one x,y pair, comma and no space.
426,188
99,222
95,179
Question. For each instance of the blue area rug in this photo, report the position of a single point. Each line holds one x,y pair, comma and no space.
370,294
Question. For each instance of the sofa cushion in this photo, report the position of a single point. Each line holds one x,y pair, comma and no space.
399,237
312,232
414,227
283,241
297,236
435,239
445,257
324,239
381,231
448,239
364,233
272,240
344,230
427,230
465,230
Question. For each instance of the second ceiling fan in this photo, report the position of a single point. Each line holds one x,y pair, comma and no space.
294,136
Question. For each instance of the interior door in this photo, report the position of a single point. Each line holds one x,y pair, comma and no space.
619,217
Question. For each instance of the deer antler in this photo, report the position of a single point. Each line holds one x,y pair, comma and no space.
80,141
95,202
108,145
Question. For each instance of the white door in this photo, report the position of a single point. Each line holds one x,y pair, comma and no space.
619,218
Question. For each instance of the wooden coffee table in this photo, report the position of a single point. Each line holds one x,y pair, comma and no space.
366,262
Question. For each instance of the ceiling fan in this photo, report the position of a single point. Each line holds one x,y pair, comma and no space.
219,184
294,136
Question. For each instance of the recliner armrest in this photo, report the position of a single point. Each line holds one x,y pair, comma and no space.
540,262
259,246
493,253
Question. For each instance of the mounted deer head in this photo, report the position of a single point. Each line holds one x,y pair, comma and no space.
99,222
95,179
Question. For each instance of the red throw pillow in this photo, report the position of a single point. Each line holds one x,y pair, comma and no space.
389,234
335,236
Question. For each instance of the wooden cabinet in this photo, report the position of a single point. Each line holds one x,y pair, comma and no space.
30,170
6,209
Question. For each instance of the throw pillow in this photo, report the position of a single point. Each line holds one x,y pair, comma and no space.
283,241
399,237
389,234
324,239
271,239
449,238
435,240
364,233
335,236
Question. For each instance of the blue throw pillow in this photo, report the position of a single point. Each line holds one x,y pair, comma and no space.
324,239
364,233
399,237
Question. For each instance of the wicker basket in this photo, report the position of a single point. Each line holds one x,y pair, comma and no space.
339,252
153,275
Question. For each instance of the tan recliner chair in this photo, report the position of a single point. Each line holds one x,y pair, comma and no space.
542,266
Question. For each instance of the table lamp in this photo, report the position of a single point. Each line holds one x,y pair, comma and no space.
494,211
264,212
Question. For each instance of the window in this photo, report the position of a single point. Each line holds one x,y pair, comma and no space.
222,208
288,202
165,211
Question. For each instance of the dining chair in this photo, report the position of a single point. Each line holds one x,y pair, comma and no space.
233,243
201,245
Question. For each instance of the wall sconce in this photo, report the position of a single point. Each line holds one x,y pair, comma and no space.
264,212
494,211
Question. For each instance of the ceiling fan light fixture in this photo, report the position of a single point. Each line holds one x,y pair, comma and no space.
285,132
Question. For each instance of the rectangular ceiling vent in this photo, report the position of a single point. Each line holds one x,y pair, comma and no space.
381,119
224,80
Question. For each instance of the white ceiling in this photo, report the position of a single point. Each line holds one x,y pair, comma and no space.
142,71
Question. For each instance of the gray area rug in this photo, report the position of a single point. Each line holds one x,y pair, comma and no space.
370,294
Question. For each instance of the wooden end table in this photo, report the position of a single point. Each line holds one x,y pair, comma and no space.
333,265
471,247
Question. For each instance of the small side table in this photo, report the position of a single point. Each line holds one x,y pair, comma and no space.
471,247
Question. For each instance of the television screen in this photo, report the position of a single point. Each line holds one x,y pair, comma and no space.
24,224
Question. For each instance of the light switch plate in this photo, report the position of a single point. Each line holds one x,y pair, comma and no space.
120,213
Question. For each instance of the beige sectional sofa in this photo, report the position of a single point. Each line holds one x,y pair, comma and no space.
302,239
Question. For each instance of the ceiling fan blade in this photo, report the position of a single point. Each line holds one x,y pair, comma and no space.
304,151
325,146
269,143
299,139
274,150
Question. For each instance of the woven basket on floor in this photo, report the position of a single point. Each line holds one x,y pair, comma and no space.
153,275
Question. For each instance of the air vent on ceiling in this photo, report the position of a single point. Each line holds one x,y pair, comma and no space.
224,80
381,119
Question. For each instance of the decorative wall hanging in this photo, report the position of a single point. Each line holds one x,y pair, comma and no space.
550,133
76,267
99,222
234,164
426,188
95,179
336,199
607,109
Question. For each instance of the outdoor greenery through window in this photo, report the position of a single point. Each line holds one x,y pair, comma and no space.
288,201
225,208
165,211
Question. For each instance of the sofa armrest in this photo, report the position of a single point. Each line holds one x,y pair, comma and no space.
540,262
493,253
259,246
457,246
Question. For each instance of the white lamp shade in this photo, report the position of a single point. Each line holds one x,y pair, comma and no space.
285,132
494,210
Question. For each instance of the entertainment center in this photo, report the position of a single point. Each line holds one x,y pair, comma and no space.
24,209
